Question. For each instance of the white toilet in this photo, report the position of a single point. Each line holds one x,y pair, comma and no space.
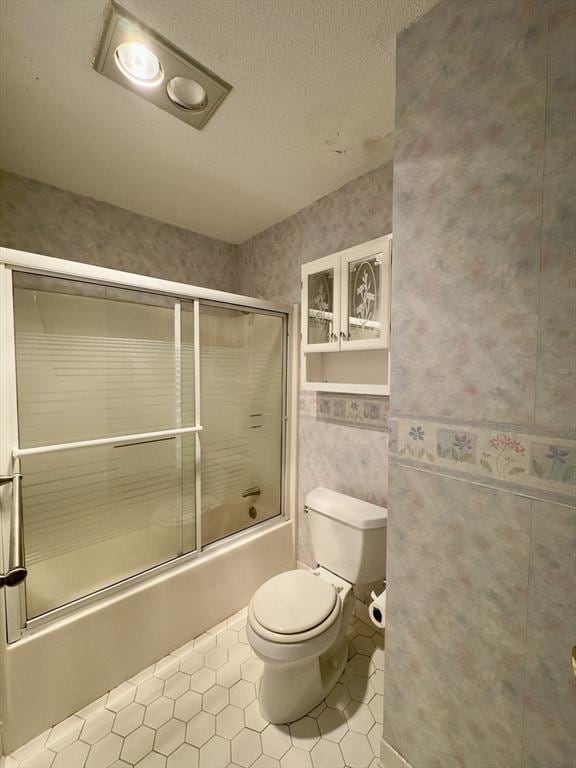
297,620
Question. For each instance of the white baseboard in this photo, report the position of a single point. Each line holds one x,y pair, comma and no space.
389,758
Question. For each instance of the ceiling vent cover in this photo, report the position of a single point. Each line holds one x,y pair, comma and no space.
138,58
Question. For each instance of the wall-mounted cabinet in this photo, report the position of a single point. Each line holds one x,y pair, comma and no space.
346,320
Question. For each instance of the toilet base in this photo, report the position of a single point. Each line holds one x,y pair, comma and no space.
287,692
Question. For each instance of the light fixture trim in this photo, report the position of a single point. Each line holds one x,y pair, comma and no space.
187,94
123,27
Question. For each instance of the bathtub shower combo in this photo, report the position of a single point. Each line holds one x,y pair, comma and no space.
143,425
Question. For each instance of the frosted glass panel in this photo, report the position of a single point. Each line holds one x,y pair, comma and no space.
95,362
241,356
365,298
91,366
95,516
321,307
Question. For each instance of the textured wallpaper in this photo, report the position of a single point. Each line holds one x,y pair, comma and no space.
346,458
482,525
43,219
40,218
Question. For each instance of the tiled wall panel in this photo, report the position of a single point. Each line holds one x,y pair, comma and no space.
556,372
482,524
458,557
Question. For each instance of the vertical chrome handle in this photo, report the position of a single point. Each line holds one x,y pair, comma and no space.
17,570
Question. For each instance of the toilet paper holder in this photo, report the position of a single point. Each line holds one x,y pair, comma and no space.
377,608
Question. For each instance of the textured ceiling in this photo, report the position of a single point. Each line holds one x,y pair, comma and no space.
312,106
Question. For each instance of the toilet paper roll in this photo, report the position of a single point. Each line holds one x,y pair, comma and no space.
377,609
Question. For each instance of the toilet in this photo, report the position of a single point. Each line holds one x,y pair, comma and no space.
297,620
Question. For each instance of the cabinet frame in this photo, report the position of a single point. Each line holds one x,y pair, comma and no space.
339,262
312,355
381,245
314,267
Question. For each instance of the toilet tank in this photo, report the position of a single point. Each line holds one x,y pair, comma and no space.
348,535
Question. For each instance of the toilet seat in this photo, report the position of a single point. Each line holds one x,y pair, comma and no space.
293,607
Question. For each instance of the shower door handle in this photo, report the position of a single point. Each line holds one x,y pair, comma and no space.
256,491
17,570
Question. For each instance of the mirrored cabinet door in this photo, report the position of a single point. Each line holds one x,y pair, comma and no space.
365,298
321,305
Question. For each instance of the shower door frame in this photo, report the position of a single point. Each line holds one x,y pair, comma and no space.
17,625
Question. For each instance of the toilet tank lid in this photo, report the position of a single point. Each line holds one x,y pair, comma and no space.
346,509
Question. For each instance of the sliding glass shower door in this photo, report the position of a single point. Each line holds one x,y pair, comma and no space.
96,363
241,355
145,425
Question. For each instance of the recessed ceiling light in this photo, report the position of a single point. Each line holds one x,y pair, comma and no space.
187,94
139,59
138,64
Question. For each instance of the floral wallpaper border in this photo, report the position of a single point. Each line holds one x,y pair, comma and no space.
364,411
510,457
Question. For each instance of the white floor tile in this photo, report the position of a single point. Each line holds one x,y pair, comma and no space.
296,758
150,690
186,756
169,737
332,724
305,733
242,693
356,750
246,747
73,756
200,729
276,740
105,752
198,708
327,754
97,726
128,719
152,760
138,744
187,706
215,699
64,733
215,753
359,717
229,722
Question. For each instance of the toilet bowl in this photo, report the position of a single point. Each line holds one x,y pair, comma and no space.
297,627
297,620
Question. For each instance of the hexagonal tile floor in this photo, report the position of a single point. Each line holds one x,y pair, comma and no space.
198,708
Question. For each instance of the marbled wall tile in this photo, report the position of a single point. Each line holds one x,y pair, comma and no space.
550,700
556,374
483,333
457,584
458,445
529,463
343,458
553,461
43,219
363,411
471,88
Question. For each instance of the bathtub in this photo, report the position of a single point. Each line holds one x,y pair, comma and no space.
64,666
